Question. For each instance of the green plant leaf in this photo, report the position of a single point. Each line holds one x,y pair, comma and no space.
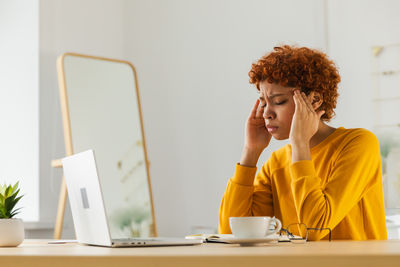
14,194
3,214
10,203
3,189
15,187
16,201
8,189
15,212
13,202
9,197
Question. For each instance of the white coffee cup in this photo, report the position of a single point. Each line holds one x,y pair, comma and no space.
254,227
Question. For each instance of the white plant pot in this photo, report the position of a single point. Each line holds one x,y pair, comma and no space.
11,232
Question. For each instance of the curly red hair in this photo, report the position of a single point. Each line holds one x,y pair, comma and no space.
301,67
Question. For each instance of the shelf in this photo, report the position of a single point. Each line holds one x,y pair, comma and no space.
388,72
379,99
386,125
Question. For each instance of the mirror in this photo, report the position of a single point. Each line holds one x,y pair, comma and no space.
101,111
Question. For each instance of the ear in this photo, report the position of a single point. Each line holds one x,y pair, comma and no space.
316,99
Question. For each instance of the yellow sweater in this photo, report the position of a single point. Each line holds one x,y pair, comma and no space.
340,188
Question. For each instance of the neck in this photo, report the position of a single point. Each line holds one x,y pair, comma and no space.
323,132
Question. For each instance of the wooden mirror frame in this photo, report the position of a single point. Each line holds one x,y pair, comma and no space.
68,138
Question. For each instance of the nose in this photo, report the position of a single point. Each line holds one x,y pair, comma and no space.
268,113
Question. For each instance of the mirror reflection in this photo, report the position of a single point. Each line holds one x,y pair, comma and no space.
104,115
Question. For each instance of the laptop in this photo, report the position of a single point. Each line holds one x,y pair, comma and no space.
88,210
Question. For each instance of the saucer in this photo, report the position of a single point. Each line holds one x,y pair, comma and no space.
248,241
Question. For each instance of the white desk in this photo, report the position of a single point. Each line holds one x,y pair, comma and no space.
322,254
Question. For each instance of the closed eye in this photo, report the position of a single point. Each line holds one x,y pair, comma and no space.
281,103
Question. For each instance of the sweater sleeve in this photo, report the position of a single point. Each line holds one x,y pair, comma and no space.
245,197
356,169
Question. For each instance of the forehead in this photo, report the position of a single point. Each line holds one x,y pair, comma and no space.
271,89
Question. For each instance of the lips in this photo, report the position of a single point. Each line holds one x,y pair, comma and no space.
271,128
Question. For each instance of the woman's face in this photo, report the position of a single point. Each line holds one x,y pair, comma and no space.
279,107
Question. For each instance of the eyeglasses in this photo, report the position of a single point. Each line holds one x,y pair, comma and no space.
298,232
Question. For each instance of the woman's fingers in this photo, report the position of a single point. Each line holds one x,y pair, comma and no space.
320,113
260,110
304,107
257,111
307,102
311,108
296,98
302,102
254,110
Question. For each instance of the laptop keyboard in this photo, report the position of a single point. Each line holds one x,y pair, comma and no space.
133,239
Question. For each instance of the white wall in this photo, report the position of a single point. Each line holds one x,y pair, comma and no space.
354,27
193,59
89,27
19,101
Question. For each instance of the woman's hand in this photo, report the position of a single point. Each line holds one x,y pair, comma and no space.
257,136
305,124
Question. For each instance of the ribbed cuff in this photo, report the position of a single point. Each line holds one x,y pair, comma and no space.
301,169
244,175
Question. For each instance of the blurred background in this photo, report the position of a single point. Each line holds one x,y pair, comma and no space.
192,59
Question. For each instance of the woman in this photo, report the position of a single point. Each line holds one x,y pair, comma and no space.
326,177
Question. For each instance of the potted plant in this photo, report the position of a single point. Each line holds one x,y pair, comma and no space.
11,229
